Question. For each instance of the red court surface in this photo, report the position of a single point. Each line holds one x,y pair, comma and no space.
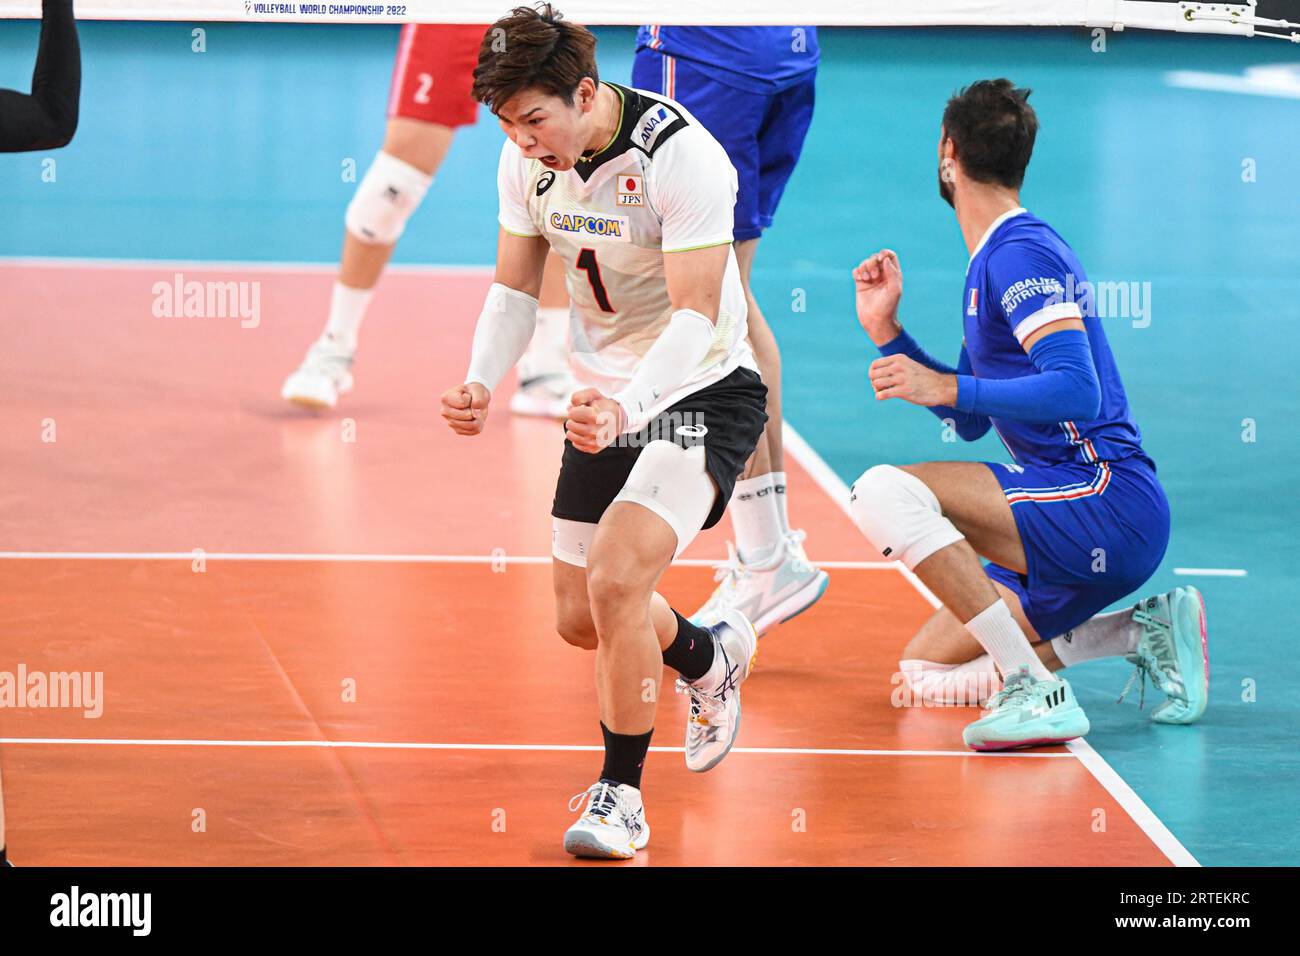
362,667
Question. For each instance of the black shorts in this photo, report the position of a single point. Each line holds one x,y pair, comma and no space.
727,418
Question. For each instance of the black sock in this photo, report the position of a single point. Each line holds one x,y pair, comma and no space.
691,652
624,756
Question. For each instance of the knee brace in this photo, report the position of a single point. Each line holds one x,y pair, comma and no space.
389,192
673,483
900,515
571,540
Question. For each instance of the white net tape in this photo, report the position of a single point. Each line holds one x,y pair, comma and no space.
1188,17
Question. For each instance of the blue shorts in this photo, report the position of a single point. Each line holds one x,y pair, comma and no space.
763,134
1092,533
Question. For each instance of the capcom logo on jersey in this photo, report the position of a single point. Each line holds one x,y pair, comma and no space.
604,227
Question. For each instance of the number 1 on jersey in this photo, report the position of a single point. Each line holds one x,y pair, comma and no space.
587,263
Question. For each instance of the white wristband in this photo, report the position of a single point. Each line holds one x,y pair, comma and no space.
675,355
505,327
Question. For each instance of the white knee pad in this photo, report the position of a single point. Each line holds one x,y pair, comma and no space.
900,515
389,192
571,540
672,482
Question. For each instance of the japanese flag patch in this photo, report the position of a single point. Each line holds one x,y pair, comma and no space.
631,189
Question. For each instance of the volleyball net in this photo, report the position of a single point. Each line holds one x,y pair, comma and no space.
1182,16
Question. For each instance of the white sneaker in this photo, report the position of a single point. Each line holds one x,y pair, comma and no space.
543,396
1028,712
714,720
324,375
788,584
612,827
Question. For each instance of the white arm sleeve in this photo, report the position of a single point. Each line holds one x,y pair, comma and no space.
677,353
694,192
504,330
512,175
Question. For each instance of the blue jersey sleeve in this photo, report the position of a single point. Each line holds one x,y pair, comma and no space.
1031,286
969,426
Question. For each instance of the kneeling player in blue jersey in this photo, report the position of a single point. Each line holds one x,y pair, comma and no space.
1079,520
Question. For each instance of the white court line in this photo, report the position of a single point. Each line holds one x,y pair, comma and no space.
361,558
1133,805
1212,572
416,745
212,265
1124,795
802,451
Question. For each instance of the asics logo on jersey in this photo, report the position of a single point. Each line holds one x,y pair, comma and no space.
545,181
609,227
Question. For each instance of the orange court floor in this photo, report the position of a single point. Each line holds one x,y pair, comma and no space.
327,639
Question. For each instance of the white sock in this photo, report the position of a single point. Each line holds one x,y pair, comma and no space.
756,518
1000,635
778,483
548,351
970,684
1105,635
347,309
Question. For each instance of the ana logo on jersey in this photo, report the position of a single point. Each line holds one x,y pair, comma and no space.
605,227
630,190
652,126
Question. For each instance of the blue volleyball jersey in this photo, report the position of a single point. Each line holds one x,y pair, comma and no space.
755,59
1022,277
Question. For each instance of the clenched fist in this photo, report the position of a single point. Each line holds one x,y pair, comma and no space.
592,421
466,407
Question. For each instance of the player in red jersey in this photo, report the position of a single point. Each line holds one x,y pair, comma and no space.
430,99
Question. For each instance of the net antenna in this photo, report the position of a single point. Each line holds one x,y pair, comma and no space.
1239,14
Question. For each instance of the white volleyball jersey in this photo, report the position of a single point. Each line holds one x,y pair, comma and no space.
663,184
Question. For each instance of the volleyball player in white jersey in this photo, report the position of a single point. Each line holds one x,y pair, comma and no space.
637,200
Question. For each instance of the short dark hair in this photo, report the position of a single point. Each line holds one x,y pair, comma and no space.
992,128
533,48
